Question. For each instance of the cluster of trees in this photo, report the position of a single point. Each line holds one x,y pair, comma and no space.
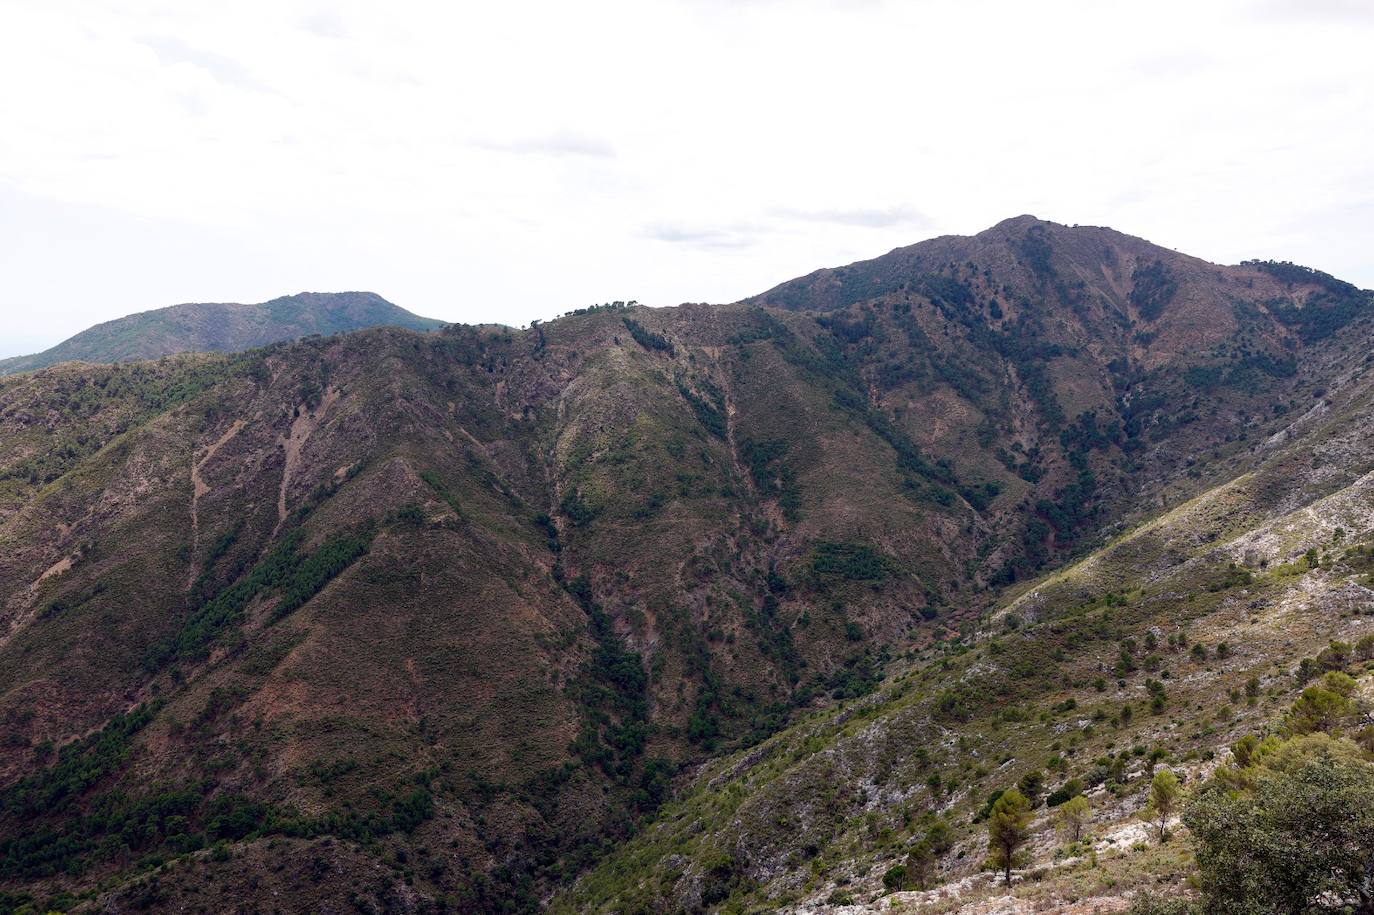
1009,820
298,577
84,808
772,473
1286,828
1153,287
847,561
617,305
1326,311
648,339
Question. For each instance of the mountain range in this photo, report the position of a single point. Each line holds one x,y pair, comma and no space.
706,608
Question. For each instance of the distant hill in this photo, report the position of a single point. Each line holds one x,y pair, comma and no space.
222,327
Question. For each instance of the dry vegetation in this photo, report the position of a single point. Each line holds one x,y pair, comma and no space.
716,607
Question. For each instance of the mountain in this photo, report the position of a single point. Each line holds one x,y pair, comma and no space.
700,608
1165,648
222,328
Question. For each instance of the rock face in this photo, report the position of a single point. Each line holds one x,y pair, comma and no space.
222,328
461,605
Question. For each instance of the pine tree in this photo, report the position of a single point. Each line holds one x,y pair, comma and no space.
1008,830
1164,794
1072,814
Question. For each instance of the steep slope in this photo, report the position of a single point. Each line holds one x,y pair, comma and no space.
442,615
383,557
1161,649
224,328
1095,366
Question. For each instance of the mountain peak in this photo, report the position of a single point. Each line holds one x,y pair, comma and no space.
1016,224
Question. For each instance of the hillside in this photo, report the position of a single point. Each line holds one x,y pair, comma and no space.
222,328
1161,650
444,620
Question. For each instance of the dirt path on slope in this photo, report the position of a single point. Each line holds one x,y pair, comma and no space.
305,423
200,488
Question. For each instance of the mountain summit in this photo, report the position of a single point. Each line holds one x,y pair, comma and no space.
223,328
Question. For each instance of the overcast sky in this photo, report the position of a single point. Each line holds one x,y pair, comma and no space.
503,161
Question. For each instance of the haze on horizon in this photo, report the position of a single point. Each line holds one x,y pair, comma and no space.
514,161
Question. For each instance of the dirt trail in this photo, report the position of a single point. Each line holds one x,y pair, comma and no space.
199,487
305,423
730,424
58,568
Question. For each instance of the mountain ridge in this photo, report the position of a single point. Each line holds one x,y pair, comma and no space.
221,327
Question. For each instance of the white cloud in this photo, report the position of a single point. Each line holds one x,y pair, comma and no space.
702,236
171,51
873,218
557,143
509,161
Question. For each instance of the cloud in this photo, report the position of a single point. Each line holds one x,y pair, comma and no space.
869,218
171,51
1317,10
700,237
557,143
1181,64
783,220
324,24
675,148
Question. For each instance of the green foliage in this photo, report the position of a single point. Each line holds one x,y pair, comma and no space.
158,333
980,495
1153,286
1298,839
1333,657
70,601
579,511
1035,250
833,560
80,765
65,788
1232,576
858,676
1073,511
315,571
910,458
1325,706
846,329
442,490
1066,792
1334,305
1008,830
1072,815
95,407
298,578
617,305
611,690
1030,786
709,410
772,474
648,339
202,588
1164,796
